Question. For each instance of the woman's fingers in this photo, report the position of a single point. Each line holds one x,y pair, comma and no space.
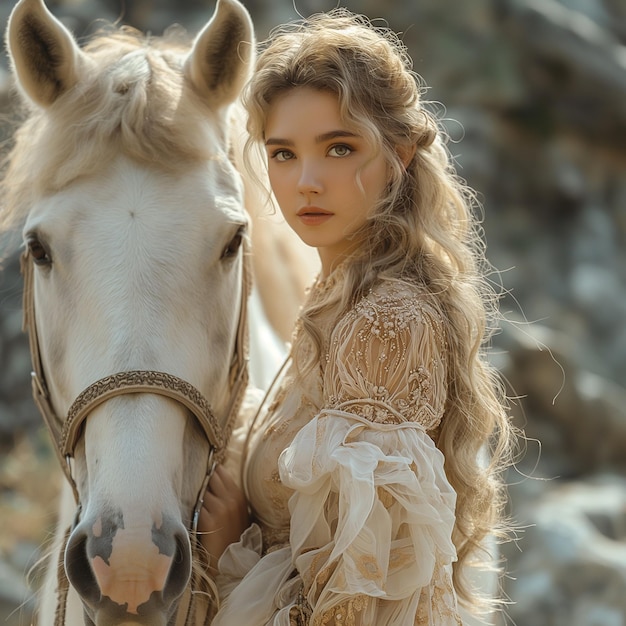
224,514
221,484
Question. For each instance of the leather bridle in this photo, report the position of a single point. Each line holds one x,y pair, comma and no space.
65,433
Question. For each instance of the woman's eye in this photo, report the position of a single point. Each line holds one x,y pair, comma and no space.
340,150
282,155
38,252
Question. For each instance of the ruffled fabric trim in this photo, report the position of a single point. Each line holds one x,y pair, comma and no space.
371,517
376,498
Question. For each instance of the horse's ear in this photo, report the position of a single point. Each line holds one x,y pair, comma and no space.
44,55
221,58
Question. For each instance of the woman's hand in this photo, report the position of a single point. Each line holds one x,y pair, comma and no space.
224,515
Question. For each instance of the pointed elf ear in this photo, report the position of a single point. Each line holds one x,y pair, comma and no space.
406,153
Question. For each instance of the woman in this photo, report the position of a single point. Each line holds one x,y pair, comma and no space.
362,469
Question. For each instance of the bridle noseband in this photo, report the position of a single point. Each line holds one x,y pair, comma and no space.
65,433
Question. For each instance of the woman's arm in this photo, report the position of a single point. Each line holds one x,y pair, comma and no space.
372,512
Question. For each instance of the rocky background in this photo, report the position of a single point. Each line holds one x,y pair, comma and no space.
535,103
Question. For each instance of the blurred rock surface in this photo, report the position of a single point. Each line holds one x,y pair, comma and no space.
534,93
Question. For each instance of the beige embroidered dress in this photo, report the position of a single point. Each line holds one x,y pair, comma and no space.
353,511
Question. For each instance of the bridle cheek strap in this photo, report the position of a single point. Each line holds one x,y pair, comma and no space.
41,395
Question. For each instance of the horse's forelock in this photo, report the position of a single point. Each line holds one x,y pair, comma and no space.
133,101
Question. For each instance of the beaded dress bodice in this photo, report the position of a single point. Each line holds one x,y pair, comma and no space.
375,366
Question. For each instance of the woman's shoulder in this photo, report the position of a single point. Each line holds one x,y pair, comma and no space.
392,306
397,296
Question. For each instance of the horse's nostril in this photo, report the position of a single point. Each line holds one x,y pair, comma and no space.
180,571
78,570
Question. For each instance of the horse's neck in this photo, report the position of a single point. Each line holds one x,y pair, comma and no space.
267,348
283,268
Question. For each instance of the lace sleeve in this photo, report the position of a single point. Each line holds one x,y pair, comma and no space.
372,511
386,359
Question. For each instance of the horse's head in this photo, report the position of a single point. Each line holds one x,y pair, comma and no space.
134,223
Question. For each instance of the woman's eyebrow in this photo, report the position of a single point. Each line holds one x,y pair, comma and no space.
332,134
276,141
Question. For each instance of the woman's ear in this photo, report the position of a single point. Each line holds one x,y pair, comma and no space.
406,152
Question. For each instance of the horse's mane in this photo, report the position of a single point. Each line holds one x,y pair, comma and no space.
131,99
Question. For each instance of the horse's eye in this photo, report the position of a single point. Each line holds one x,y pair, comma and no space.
233,247
38,252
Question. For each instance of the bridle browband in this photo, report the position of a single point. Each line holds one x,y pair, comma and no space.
65,433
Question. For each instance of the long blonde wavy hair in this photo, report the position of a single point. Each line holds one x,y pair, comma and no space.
424,230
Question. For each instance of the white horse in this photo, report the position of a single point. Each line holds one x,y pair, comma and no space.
135,229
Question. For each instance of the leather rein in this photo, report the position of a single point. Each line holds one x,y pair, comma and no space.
65,433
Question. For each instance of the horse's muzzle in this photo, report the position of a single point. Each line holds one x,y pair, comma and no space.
128,575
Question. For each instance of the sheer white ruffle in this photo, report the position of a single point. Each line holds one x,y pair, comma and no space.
371,520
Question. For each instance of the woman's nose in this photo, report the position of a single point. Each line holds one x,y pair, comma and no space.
310,179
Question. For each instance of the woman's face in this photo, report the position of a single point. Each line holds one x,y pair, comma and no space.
326,177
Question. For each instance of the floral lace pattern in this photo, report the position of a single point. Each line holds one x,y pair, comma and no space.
437,602
385,360
344,614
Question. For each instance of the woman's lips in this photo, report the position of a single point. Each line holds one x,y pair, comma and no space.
313,216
